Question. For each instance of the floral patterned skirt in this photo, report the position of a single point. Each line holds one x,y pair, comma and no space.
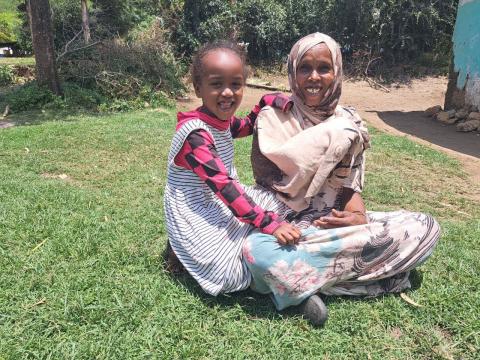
368,260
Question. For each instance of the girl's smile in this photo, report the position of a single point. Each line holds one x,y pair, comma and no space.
315,74
222,82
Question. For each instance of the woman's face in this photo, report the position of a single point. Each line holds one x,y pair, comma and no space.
315,74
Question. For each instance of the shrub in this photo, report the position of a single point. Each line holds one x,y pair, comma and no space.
146,98
121,68
397,30
78,97
203,21
7,76
29,96
264,27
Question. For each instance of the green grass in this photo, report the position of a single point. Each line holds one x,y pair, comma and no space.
81,256
17,61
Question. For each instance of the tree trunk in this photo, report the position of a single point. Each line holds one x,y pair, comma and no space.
85,22
39,16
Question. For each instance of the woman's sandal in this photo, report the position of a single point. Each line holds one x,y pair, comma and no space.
314,310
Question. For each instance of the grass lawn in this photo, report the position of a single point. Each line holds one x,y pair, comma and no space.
82,236
17,61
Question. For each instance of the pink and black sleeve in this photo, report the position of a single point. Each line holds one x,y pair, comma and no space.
241,127
199,155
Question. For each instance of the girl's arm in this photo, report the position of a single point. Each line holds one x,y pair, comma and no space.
240,127
199,155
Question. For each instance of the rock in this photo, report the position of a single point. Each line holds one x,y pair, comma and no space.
469,125
5,124
474,116
431,111
473,108
461,114
451,113
444,118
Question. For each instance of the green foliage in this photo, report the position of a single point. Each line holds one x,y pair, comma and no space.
29,96
7,76
396,30
146,98
120,69
204,21
264,26
33,97
9,21
9,5
75,96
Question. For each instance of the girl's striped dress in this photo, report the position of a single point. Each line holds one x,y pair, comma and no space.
202,231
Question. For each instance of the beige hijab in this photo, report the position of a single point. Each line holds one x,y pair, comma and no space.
308,143
311,116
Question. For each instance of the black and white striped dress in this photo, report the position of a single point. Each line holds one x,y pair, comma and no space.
204,234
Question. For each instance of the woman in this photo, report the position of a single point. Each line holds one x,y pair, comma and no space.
313,158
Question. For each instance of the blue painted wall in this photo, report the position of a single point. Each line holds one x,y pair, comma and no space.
466,50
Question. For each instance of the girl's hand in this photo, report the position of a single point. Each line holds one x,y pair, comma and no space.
341,219
287,234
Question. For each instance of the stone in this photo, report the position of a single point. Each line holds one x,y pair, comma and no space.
469,125
474,116
444,118
473,108
431,111
461,114
5,124
451,113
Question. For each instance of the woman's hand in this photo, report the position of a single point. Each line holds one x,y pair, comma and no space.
287,234
341,219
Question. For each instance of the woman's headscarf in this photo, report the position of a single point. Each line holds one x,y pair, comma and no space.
308,143
313,115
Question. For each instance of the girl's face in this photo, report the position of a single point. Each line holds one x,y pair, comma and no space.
315,74
222,82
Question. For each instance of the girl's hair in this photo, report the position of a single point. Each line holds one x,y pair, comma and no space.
196,69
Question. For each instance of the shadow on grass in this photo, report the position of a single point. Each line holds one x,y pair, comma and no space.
36,117
417,124
259,306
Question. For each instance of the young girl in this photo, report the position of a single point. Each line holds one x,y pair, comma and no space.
208,213
316,152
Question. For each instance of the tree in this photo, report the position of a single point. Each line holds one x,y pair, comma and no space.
85,22
39,15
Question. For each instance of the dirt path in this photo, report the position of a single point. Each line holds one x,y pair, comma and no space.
398,112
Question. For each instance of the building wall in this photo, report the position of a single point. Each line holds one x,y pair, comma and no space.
464,82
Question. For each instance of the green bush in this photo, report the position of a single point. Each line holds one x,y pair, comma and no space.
203,21
78,97
145,99
264,26
120,68
31,96
397,30
28,97
9,21
7,76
